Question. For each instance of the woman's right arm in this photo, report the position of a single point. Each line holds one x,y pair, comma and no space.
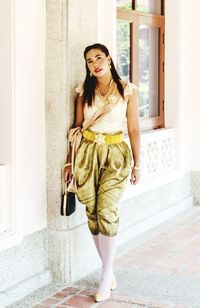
79,118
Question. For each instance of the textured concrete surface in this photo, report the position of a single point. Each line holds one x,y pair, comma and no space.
160,269
24,260
66,37
24,268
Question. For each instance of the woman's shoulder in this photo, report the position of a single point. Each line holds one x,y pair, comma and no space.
79,89
129,87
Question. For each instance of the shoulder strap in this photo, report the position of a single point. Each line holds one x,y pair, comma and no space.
98,115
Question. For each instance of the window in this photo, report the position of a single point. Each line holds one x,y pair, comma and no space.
140,55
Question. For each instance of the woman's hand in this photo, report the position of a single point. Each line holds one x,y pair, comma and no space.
134,134
68,173
135,176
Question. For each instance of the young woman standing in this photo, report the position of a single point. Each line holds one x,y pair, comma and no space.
103,160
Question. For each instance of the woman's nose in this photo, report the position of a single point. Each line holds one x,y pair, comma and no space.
95,63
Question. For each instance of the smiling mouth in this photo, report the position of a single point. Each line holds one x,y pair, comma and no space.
97,70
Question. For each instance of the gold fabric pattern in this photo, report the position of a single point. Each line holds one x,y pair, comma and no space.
101,171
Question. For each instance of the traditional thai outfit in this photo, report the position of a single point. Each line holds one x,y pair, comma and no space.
103,162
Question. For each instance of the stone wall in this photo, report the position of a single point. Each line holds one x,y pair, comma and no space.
71,26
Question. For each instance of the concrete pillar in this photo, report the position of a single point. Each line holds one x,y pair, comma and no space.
71,26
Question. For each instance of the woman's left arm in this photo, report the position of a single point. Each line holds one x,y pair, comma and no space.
134,134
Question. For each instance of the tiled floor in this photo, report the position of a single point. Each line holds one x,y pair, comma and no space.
160,269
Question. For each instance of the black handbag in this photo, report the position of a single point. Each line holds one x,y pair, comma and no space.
68,203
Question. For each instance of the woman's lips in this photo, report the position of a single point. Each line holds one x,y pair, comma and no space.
97,70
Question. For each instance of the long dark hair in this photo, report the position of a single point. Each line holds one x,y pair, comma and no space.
89,84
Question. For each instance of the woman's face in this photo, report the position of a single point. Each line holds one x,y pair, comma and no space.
98,63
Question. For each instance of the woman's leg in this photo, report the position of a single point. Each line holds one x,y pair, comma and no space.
93,227
108,250
100,251
111,186
108,222
96,242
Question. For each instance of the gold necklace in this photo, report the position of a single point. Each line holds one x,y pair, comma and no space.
102,96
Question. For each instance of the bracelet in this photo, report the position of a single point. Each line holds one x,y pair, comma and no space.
136,168
67,165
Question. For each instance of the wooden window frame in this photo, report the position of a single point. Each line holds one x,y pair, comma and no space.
136,18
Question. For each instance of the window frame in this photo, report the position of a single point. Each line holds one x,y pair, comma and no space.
135,18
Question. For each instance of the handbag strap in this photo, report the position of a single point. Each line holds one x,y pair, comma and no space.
66,184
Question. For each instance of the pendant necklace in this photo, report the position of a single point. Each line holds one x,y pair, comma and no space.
104,99
102,96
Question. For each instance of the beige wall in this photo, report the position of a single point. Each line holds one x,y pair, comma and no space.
22,26
30,115
6,81
193,43
182,80
6,94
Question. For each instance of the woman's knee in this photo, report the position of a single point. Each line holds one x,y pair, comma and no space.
108,221
91,213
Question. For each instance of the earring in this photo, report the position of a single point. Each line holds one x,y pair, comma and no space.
91,74
110,66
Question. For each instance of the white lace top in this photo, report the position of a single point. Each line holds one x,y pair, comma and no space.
113,121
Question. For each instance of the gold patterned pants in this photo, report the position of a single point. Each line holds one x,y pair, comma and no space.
101,171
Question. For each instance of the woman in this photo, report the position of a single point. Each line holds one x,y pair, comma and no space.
103,160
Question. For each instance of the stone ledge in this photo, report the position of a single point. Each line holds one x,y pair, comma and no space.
24,288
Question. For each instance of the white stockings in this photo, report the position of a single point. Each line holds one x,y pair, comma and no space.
106,247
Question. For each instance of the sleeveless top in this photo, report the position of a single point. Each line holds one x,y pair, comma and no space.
113,121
